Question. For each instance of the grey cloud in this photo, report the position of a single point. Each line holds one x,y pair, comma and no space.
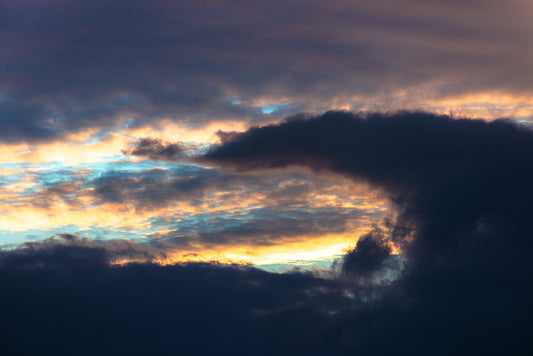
190,183
111,250
156,150
263,226
157,187
69,66
255,209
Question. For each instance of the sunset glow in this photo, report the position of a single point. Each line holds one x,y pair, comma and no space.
266,177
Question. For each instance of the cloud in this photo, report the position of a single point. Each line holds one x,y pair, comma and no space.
72,66
68,297
109,252
368,256
263,227
462,193
156,150
195,209
210,208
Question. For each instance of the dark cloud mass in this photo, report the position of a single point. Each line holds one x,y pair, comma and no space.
462,194
65,300
368,256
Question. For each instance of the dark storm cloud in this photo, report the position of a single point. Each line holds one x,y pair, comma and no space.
368,256
68,298
72,65
462,189
156,150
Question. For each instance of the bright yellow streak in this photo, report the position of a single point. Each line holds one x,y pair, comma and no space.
300,249
168,130
303,250
77,148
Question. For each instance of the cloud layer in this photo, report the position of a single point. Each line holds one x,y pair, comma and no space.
68,66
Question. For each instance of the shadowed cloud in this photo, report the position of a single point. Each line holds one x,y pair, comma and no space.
156,150
68,297
368,255
461,193
74,65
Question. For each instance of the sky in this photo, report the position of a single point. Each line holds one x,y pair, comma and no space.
266,177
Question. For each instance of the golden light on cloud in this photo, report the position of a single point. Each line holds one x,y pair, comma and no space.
66,152
483,104
86,146
296,250
170,130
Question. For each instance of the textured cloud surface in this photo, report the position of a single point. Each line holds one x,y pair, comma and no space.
100,104
462,194
462,189
73,65
164,133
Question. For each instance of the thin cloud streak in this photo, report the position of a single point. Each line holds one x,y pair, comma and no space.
192,212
